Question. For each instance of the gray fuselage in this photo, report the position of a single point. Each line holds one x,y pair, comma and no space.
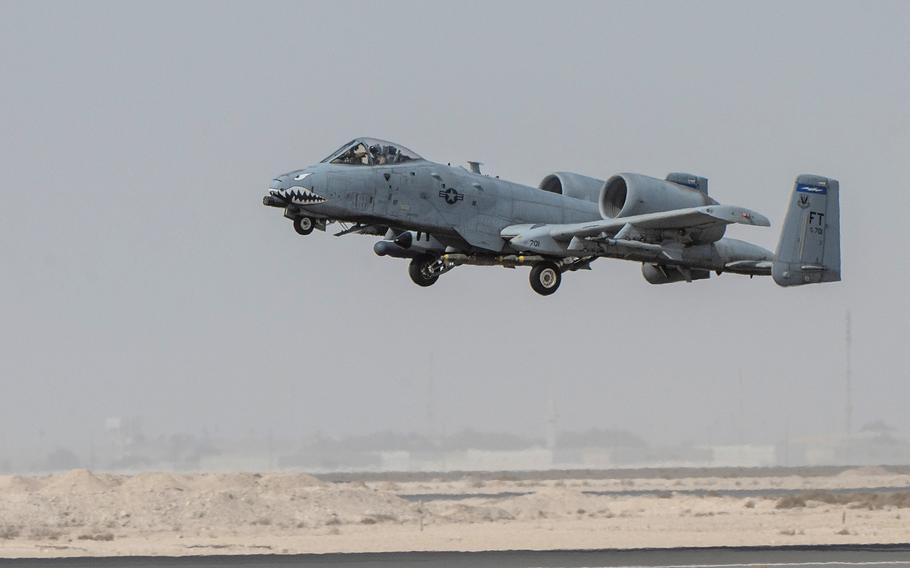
460,208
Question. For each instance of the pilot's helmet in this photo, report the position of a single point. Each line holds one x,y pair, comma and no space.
392,150
375,149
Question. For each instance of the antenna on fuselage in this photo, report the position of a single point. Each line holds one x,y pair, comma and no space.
474,166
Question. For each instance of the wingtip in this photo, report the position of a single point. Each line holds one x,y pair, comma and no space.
749,217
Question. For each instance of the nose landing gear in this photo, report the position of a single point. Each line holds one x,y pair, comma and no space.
304,225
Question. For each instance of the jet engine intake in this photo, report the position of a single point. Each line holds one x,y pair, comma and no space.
573,185
624,195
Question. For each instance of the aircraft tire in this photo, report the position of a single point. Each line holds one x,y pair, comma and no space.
545,278
304,225
415,270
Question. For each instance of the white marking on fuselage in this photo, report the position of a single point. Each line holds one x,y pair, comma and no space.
301,195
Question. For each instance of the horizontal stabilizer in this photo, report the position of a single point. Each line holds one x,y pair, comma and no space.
750,267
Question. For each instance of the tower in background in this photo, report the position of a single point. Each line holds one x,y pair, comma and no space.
848,379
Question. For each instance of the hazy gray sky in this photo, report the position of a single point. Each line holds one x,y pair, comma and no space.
143,277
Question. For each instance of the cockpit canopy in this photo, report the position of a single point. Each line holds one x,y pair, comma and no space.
371,152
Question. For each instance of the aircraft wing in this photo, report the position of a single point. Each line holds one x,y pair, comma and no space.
532,237
691,218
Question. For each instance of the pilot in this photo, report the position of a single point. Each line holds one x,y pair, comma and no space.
394,155
374,152
378,156
360,155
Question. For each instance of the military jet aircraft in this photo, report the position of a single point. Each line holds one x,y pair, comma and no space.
442,216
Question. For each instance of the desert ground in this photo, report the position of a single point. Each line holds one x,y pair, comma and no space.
83,513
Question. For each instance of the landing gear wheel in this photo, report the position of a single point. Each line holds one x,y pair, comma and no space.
545,278
419,273
304,225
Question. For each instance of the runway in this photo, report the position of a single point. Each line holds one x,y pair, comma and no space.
792,556
767,493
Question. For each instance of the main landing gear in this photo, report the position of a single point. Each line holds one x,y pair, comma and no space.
426,270
420,270
545,277
546,274
304,225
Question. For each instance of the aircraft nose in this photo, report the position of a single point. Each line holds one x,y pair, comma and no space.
291,189
275,197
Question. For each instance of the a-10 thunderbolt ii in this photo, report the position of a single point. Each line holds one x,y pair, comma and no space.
442,216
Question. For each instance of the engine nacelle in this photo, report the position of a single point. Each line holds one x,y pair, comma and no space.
573,185
624,195
689,180
658,274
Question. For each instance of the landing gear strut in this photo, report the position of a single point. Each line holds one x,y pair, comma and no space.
304,225
421,273
545,277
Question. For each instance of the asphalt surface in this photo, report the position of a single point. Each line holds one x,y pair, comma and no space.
740,493
802,556
592,474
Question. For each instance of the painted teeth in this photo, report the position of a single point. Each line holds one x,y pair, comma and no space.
302,195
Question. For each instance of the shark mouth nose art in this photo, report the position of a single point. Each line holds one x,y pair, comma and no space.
298,195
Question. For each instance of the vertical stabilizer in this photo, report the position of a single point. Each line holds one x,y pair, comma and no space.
809,248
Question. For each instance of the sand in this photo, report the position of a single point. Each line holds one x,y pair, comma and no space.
81,513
